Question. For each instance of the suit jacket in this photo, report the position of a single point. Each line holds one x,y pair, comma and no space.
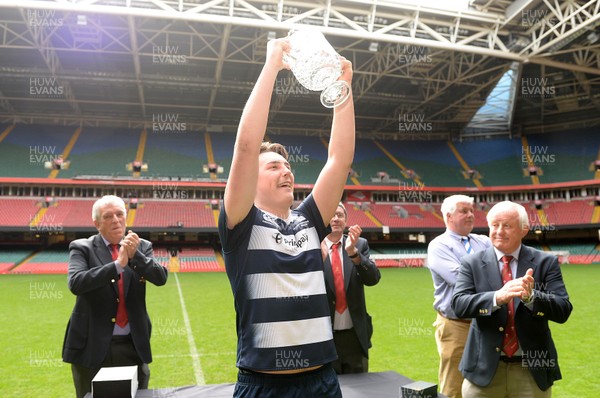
355,278
479,277
93,279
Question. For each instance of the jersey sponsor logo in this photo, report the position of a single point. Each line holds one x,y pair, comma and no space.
291,240
267,238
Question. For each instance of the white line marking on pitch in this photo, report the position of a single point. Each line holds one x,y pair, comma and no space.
190,337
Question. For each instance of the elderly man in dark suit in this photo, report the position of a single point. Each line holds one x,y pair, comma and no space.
352,326
109,325
511,291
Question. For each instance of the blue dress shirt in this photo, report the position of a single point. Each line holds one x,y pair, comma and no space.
443,260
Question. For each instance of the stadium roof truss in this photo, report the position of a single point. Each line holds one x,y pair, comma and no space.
128,62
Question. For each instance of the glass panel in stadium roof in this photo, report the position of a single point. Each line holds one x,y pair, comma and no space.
496,114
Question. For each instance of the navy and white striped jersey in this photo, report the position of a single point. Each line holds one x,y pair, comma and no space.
275,268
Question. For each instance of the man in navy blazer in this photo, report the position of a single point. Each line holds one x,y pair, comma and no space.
98,335
352,328
494,364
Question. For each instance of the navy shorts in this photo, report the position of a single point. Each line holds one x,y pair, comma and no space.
321,383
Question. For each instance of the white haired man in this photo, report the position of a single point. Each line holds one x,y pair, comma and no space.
510,291
109,325
443,259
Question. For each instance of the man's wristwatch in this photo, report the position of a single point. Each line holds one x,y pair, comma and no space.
354,255
529,299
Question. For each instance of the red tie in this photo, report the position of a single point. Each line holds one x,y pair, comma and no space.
338,279
510,344
121,310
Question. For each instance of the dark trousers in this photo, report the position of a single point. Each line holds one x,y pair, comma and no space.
121,353
351,358
318,383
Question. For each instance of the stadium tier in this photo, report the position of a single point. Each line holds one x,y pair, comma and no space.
5,267
10,257
201,259
372,166
55,261
181,214
430,163
579,253
406,249
408,215
26,149
67,213
199,214
403,182
99,151
576,212
307,156
497,161
221,151
564,156
408,256
177,154
359,216
18,211
186,154
63,213
44,262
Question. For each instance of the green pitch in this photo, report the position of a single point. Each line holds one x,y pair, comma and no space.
35,310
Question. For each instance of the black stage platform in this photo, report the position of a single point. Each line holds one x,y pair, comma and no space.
372,385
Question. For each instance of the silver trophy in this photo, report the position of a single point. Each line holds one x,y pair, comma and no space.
317,66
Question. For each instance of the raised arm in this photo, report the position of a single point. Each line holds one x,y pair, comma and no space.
241,184
329,187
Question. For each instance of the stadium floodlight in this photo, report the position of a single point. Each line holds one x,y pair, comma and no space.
373,47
